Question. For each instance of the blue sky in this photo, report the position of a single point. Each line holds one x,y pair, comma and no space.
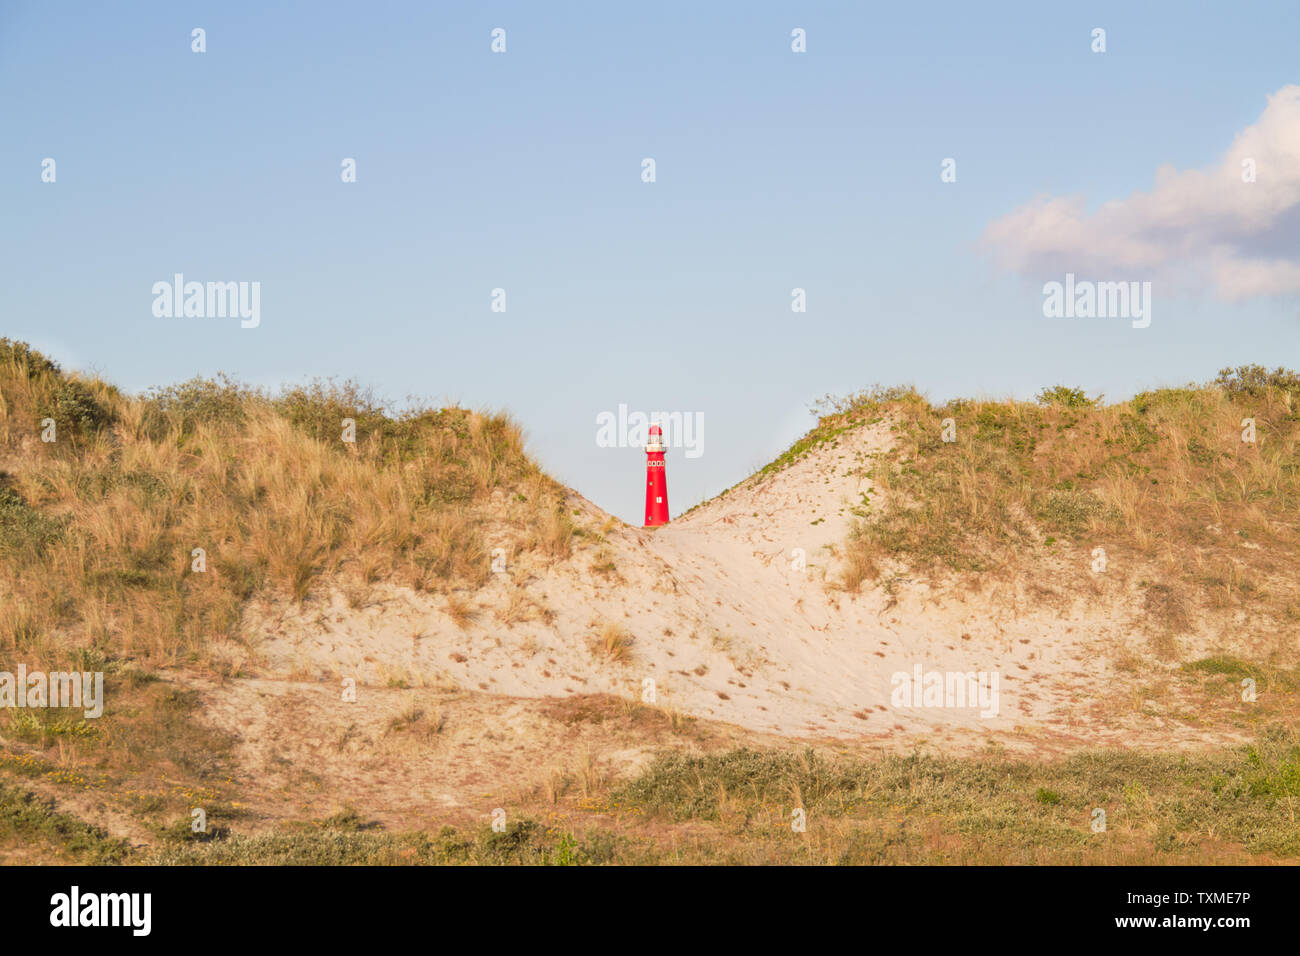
522,171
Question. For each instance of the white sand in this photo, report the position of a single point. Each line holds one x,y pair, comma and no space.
729,629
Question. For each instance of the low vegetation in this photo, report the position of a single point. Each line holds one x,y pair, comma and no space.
613,643
134,530
132,542
1199,487
922,808
749,806
147,522
33,830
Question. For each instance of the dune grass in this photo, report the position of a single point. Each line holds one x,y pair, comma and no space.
133,541
1163,482
1104,807
148,521
927,808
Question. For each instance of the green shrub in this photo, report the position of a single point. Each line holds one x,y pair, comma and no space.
35,821
22,526
1067,397
23,356
74,407
1255,380
199,400
320,407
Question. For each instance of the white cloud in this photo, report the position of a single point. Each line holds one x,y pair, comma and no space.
1242,237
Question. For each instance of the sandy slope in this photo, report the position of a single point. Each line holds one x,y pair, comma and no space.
730,627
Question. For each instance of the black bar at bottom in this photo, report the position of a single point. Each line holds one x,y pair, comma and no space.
330,906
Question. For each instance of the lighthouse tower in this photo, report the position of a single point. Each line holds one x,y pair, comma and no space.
656,481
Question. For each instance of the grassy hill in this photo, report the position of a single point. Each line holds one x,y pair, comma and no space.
143,523
137,531
1164,484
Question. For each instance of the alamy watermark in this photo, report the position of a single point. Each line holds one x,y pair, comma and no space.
130,910
632,429
208,300
957,690
1098,300
55,689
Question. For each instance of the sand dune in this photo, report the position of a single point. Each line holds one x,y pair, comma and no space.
731,625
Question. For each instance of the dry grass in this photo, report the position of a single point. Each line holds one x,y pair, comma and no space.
461,610
614,643
414,722
150,521
518,607
591,777
1198,519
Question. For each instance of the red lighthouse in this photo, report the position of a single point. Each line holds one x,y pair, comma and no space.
656,481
